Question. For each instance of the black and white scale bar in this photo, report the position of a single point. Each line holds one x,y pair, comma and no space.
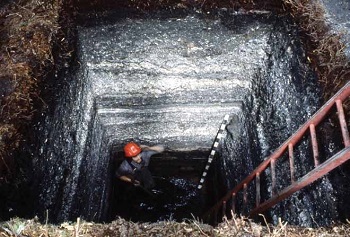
219,135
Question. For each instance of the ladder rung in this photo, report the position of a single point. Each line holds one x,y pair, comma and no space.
233,206
343,125
245,196
273,177
314,144
257,184
223,208
291,162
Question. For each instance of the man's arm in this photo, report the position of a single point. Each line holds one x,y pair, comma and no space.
125,174
129,180
156,148
125,178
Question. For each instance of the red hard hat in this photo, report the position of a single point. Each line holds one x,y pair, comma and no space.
131,149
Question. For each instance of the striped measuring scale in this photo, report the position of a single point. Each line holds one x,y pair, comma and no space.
213,150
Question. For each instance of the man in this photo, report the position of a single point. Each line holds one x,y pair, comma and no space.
134,169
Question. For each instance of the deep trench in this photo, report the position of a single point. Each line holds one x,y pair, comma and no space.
169,78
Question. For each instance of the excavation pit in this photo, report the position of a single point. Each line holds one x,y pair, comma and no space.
169,78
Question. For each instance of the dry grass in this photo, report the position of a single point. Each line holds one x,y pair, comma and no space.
120,227
325,49
28,30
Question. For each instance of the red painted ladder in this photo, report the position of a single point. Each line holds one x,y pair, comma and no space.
287,147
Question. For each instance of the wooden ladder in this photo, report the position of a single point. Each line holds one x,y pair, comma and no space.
309,128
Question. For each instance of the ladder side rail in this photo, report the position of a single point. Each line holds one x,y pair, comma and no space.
318,172
239,187
345,133
341,95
